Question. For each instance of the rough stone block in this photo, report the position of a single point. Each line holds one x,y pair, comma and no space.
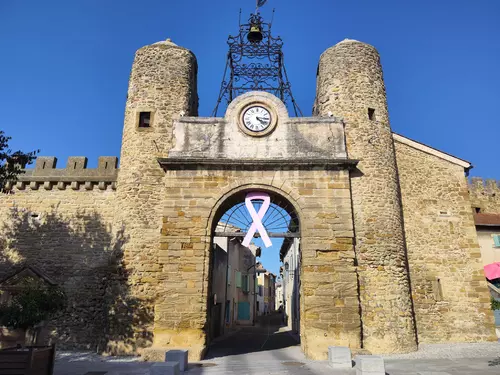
369,365
75,164
180,356
339,357
166,368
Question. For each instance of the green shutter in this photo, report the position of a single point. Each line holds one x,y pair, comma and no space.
238,279
244,283
496,239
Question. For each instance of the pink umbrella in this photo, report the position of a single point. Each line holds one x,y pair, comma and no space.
492,271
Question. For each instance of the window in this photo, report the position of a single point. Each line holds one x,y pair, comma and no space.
229,275
238,279
496,240
144,119
477,210
371,114
245,284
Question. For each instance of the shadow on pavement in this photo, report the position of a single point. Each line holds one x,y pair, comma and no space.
265,335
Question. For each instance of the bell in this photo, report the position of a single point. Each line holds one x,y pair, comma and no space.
255,34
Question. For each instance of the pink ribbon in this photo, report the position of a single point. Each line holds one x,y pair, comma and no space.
257,217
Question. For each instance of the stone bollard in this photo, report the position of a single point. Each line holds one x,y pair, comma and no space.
166,368
369,365
179,356
339,357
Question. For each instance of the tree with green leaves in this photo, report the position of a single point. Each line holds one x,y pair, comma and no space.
34,303
12,163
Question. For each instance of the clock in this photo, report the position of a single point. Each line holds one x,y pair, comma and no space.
257,118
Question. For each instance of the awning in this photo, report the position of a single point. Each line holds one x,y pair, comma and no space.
492,271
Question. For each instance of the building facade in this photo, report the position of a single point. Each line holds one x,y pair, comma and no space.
290,256
389,253
279,296
233,285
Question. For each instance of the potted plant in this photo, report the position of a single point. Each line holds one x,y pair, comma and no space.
33,303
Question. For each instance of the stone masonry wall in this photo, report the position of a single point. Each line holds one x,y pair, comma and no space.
350,85
59,221
163,82
329,302
485,194
449,291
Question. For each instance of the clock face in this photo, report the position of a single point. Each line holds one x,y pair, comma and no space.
257,118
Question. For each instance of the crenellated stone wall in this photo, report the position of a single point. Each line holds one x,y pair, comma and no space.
485,194
449,291
132,247
60,221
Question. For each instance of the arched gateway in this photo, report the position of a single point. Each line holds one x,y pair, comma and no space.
136,260
302,163
243,214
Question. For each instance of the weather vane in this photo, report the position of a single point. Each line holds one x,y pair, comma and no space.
255,62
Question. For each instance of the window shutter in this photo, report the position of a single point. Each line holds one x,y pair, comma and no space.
238,279
496,239
245,283
229,275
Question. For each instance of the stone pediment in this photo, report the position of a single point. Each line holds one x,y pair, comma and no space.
301,139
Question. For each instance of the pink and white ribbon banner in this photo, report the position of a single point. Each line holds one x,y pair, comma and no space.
257,217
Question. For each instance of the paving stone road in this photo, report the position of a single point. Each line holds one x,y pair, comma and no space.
268,349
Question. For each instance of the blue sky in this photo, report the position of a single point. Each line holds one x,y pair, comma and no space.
65,65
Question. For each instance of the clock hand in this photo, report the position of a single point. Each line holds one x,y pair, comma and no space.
262,120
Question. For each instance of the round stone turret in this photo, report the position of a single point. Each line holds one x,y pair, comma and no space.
350,85
162,86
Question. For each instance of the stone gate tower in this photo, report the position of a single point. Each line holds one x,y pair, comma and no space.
162,86
350,84
140,238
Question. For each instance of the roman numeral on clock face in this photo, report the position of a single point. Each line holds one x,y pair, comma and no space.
256,118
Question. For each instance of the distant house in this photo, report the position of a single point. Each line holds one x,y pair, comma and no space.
233,284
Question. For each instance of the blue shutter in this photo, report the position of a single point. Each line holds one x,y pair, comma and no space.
496,239
243,310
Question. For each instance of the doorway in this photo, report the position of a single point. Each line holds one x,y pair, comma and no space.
255,233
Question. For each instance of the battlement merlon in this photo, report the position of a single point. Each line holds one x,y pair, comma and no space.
75,174
488,185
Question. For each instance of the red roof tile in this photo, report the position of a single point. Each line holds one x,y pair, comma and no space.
487,219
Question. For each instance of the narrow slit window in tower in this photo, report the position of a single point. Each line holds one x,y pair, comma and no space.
144,119
371,114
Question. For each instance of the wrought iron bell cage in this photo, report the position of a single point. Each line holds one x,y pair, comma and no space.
255,62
